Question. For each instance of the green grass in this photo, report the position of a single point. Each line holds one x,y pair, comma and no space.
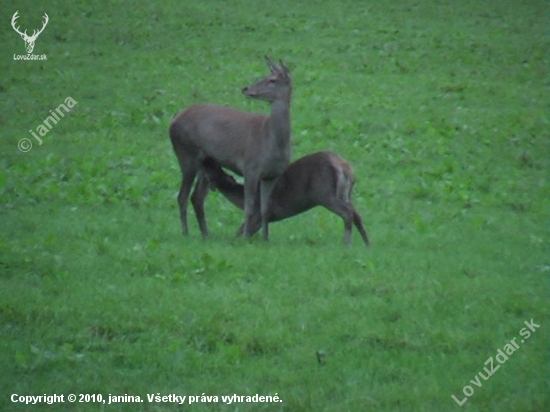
441,107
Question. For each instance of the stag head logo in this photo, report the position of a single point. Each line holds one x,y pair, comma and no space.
29,40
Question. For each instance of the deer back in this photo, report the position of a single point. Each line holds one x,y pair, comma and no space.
228,135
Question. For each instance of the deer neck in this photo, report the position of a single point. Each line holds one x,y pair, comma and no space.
279,122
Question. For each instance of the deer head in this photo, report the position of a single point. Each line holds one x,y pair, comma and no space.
275,86
29,40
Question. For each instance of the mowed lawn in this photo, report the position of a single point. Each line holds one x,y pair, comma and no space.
441,108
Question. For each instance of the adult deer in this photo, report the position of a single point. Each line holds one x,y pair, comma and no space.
29,40
318,179
253,145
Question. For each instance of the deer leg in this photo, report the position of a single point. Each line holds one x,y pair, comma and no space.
186,183
345,211
348,220
359,225
266,187
197,199
240,232
256,220
250,193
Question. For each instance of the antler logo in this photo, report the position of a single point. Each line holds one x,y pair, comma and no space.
29,40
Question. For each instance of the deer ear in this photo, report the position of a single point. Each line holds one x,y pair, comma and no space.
272,66
284,68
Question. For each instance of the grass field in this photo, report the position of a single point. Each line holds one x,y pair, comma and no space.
441,107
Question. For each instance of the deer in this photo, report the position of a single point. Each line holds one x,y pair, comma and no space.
29,40
318,179
253,145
